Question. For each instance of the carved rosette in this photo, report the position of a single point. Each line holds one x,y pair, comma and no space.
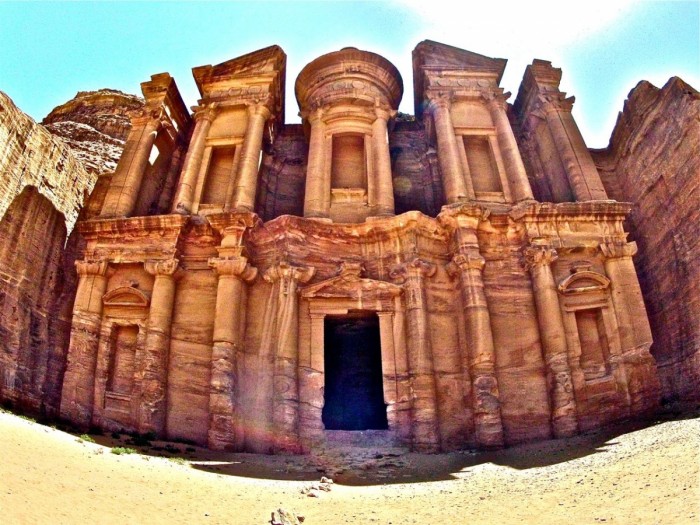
286,273
234,267
618,249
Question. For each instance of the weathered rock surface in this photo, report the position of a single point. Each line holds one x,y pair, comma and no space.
95,125
653,161
42,187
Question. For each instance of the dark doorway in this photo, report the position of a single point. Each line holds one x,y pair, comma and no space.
354,396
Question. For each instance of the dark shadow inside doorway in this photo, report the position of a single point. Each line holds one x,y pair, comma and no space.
354,396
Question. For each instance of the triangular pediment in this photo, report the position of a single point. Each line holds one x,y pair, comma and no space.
349,285
431,54
351,288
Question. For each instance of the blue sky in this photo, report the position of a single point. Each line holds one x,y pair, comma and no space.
49,51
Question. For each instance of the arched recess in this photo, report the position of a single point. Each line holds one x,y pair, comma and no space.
33,336
595,352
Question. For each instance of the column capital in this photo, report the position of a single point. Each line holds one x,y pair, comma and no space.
554,102
539,255
261,108
495,99
234,266
166,267
414,269
313,114
285,273
438,99
384,113
206,112
463,262
618,249
93,267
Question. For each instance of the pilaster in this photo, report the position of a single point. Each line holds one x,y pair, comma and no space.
225,429
426,429
154,371
79,381
539,258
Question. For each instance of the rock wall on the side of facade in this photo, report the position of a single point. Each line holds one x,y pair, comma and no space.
42,189
653,161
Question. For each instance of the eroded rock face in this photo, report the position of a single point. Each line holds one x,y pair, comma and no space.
95,124
653,161
42,186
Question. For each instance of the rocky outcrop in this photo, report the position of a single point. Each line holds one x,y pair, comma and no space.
653,161
42,188
95,125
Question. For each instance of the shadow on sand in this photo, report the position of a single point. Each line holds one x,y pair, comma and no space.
378,467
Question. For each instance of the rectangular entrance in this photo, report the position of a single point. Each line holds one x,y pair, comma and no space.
354,395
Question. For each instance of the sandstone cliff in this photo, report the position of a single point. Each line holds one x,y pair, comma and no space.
653,161
95,125
42,189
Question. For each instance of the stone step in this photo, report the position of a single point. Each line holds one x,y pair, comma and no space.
362,439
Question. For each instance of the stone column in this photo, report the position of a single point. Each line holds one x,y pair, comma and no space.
315,198
77,397
448,153
553,336
126,182
225,431
247,180
203,116
154,368
382,164
515,169
581,171
426,430
285,391
488,426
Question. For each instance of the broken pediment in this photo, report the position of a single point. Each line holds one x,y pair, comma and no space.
435,59
256,76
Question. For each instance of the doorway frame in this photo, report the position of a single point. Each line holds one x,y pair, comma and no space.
337,297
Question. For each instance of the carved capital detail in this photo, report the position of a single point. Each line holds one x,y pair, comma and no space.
439,99
161,267
206,112
235,266
415,269
553,102
261,107
95,267
495,100
463,262
618,249
286,273
538,254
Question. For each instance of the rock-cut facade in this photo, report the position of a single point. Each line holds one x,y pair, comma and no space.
458,278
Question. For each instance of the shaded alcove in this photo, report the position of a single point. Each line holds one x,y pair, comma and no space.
354,398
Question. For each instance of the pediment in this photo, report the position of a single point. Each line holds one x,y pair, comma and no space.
125,296
434,55
584,282
264,62
351,288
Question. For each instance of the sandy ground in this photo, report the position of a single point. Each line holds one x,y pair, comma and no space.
623,475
